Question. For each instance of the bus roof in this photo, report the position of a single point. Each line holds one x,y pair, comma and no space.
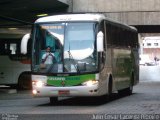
80,17
71,17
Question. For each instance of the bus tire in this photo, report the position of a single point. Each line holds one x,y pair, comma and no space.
109,90
53,100
129,90
110,86
24,81
13,86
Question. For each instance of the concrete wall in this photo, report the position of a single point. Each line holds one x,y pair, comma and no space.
69,3
132,12
116,5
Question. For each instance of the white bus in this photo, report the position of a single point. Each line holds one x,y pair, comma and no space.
93,56
15,68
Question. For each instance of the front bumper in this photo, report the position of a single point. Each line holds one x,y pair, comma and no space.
49,91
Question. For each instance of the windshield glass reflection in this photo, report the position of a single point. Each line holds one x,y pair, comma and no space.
64,48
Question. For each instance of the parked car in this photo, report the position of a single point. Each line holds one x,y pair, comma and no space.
145,60
151,63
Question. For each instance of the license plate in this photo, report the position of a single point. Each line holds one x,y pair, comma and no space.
63,92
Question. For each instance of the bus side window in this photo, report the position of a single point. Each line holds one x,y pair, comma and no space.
50,41
13,48
2,48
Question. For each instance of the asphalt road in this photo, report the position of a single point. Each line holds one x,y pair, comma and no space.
142,104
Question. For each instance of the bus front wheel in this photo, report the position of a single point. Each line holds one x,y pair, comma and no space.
110,86
109,92
53,100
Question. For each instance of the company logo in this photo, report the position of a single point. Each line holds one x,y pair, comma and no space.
57,78
63,83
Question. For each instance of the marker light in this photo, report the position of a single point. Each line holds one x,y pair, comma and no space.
41,15
12,28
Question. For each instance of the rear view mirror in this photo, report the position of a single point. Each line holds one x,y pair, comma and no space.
24,43
100,43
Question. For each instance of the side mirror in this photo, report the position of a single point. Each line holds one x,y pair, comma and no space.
24,43
100,42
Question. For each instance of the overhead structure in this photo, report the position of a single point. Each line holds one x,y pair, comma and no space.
20,14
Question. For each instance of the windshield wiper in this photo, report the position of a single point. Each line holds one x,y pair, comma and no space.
74,62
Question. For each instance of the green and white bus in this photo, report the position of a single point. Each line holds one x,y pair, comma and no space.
93,56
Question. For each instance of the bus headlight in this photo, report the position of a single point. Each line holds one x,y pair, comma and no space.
39,80
38,83
34,92
90,83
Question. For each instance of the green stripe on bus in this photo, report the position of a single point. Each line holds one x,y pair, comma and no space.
69,80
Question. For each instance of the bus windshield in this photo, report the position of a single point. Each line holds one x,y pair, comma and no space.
72,48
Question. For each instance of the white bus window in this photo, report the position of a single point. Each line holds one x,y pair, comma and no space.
13,48
5,46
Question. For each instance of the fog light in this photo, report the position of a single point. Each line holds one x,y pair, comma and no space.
34,92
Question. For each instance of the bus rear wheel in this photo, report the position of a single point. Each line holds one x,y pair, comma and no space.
129,90
53,100
126,91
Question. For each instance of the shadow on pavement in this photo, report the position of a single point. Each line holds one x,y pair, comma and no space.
87,101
